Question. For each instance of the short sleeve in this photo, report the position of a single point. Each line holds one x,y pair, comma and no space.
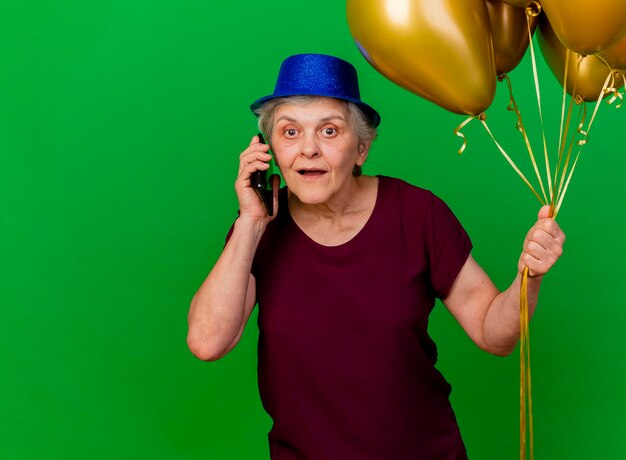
448,246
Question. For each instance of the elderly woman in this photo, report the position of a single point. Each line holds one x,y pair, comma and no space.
345,274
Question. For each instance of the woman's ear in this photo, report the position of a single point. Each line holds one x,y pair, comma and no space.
364,148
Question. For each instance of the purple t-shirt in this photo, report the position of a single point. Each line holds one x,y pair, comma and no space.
346,367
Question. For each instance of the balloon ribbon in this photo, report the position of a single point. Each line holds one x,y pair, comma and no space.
524,366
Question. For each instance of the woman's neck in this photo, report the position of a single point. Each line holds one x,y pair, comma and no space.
332,224
354,199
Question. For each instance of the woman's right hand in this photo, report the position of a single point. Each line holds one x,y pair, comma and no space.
254,158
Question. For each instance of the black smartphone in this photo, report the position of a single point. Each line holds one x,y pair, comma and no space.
259,182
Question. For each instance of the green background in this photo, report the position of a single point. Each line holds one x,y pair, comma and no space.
120,128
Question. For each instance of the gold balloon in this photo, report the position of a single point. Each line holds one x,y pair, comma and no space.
439,50
587,26
518,3
510,34
616,55
591,75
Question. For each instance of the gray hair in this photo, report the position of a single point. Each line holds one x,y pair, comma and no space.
362,128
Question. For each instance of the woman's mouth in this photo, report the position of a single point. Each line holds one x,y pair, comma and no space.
311,173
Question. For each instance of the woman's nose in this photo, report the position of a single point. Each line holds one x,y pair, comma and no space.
310,147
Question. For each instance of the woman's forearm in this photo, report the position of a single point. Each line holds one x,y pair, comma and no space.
502,322
218,309
542,247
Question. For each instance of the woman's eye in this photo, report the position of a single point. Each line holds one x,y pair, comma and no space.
290,132
329,131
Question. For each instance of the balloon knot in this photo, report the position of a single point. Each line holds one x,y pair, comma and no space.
481,116
533,9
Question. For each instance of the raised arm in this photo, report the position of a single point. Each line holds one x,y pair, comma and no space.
221,307
491,317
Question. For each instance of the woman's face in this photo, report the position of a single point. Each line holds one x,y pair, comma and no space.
316,149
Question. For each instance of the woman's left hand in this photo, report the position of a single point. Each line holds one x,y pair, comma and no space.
543,245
